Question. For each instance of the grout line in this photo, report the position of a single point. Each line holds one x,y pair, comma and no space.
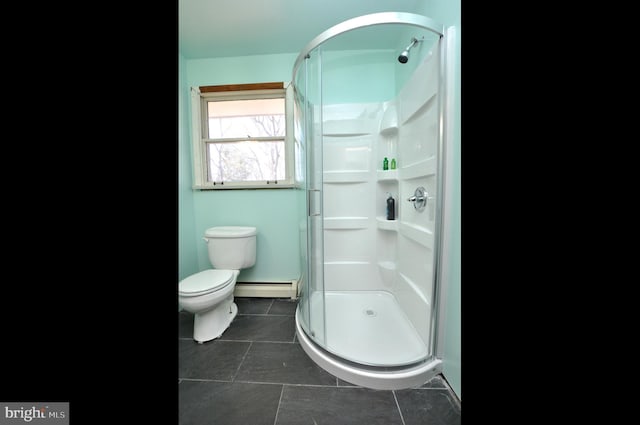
427,388
187,339
398,405
347,384
275,420
253,340
221,381
288,384
233,377
355,386
266,314
205,380
270,305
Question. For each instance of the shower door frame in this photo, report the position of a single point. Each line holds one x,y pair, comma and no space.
413,375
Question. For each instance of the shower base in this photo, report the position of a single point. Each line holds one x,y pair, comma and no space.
369,341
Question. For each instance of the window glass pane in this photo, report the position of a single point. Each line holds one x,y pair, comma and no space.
246,118
246,161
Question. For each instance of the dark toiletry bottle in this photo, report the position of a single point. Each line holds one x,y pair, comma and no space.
385,164
391,207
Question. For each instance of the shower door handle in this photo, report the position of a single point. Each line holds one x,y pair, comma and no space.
313,206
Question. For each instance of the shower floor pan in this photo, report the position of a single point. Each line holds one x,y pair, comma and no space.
368,328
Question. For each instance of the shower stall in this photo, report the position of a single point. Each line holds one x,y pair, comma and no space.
369,125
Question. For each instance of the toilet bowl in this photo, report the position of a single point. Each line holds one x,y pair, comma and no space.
200,293
209,294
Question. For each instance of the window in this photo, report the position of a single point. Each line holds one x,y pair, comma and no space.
242,136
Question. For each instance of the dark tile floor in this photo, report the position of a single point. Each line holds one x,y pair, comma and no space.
256,373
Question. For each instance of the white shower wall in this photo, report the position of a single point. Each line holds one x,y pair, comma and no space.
362,250
349,139
417,106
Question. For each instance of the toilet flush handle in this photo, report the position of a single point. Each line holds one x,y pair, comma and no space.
206,240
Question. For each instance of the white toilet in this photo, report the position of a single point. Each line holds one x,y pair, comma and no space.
209,293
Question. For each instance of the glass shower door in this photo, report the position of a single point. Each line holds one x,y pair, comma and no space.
309,143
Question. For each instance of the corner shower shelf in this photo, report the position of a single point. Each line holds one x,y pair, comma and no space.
388,266
387,271
385,224
426,167
419,234
389,131
387,175
416,289
389,121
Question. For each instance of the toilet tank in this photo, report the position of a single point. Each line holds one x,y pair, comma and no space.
231,247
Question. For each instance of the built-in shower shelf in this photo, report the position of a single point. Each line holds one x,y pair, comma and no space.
419,234
389,121
389,131
387,265
387,175
385,224
387,271
423,168
416,290
355,176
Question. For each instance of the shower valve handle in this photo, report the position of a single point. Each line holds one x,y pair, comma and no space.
419,198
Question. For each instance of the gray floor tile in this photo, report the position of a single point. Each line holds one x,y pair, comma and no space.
247,305
420,407
261,328
282,363
436,382
337,406
211,360
283,306
209,403
185,325
256,372
342,383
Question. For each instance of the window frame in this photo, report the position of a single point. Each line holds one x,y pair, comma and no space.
199,98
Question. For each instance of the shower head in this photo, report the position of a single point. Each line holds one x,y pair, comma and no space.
404,56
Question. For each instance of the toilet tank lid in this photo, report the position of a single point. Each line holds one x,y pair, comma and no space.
230,232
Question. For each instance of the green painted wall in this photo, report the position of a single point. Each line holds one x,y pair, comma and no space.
357,76
417,54
272,211
187,255
447,13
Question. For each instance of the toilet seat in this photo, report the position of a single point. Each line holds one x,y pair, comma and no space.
205,282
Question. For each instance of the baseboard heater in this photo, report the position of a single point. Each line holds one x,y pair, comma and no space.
281,289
